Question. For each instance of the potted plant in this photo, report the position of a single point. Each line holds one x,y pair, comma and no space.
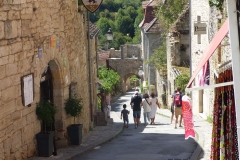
45,113
73,107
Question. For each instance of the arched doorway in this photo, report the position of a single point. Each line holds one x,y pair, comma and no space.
46,93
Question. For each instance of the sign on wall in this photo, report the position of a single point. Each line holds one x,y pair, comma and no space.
92,5
27,89
200,28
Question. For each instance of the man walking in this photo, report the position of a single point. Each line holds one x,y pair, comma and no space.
136,102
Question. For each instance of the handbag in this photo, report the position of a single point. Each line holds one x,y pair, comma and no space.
150,109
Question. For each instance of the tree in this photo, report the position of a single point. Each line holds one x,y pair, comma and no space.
169,11
109,78
182,81
104,24
125,25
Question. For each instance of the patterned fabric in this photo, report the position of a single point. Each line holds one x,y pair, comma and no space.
222,133
187,117
214,147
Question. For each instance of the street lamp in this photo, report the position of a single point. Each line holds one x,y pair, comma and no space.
140,71
109,34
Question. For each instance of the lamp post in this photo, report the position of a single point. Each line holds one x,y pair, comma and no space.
109,36
140,73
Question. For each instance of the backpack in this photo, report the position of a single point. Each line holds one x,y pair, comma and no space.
178,100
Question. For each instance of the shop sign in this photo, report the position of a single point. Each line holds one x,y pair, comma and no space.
200,28
92,5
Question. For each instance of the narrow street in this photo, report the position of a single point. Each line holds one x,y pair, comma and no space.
156,142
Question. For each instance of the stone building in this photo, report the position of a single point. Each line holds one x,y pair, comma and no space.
203,13
42,37
126,62
178,52
151,40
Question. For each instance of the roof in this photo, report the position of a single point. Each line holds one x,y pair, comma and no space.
153,26
148,15
149,22
93,29
103,55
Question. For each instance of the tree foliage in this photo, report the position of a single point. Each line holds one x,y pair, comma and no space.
133,78
169,11
182,81
74,106
45,112
123,17
217,3
159,59
109,78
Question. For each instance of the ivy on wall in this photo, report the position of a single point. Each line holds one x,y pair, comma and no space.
217,3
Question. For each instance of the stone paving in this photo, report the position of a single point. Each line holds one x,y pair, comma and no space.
203,130
102,134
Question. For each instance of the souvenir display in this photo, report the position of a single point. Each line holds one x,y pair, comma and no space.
224,132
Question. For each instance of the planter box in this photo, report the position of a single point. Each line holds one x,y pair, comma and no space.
75,134
45,144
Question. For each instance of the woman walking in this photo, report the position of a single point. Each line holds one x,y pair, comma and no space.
146,103
154,106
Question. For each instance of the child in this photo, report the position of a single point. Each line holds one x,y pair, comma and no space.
124,115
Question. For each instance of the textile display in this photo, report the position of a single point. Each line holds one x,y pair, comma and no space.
187,117
224,132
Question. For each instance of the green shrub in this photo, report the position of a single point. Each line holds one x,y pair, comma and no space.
73,106
45,112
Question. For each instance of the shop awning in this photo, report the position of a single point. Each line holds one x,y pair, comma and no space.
210,50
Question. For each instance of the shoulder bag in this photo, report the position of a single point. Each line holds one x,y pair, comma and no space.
150,109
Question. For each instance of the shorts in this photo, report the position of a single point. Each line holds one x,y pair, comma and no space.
125,120
136,114
178,111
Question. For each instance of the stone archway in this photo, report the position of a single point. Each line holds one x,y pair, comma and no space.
53,55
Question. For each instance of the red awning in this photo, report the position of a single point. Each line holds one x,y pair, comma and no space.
210,50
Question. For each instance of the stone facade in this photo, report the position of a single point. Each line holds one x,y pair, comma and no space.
204,99
151,40
123,62
178,52
34,35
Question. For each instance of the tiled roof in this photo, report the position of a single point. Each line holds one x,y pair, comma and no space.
153,26
93,29
103,55
148,13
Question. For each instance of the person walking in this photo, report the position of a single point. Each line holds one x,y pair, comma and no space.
124,115
177,100
136,102
154,106
108,103
102,97
172,106
146,103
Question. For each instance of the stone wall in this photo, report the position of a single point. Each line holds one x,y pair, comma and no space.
26,27
178,51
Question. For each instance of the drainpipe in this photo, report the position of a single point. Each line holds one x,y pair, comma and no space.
89,71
